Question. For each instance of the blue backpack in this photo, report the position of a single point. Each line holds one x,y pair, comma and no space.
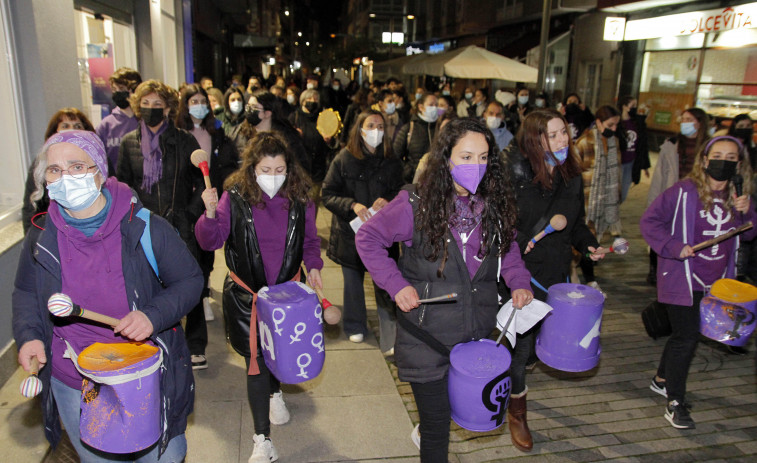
146,242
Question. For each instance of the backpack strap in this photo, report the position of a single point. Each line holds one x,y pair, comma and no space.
146,241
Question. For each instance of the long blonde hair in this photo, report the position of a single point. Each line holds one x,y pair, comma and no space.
699,175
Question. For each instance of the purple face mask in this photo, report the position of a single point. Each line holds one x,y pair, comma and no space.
468,176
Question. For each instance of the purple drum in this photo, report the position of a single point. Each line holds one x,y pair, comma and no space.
727,312
569,336
479,384
291,331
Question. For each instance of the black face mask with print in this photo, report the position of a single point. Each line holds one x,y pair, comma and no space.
721,170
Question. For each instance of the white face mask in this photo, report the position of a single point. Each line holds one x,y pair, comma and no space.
493,122
310,86
270,184
290,99
390,108
523,100
235,107
373,137
74,194
430,114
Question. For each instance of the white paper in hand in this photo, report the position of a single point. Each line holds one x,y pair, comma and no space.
524,318
356,223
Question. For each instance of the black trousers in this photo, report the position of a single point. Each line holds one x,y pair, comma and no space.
259,390
680,348
196,329
434,410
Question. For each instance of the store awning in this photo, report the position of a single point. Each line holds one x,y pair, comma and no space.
473,62
393,67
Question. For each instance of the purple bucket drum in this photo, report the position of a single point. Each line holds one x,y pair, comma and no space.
479,384
569,336
291,331
728,312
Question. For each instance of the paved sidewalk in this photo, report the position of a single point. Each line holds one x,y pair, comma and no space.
357,410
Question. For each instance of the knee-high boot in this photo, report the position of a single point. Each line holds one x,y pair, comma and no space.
516,421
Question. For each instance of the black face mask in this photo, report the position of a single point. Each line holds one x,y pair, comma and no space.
253,118
744,134
572,109
153,117
632,111
607,133
312,107
121,99
721,170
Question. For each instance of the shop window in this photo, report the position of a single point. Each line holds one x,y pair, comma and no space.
681,42
670,71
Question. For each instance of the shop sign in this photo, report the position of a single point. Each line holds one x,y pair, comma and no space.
717,20
663,117
614,28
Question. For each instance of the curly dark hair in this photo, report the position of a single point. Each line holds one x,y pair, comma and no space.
437,194
271,144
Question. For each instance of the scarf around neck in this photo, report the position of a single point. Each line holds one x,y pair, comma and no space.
467,214
152,166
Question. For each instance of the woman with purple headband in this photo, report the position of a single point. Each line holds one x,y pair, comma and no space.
693,210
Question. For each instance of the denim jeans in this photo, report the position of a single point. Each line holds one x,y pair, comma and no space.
68,399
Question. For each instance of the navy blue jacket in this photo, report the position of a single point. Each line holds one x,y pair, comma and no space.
39,276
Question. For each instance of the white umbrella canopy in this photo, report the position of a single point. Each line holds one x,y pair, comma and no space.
473,62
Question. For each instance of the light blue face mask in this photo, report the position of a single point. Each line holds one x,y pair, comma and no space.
688,129
74,194
561,156
199,111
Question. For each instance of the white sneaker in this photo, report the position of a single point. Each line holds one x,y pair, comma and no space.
356,338
389,353
278,413
415,436
595,285
264,451
209,317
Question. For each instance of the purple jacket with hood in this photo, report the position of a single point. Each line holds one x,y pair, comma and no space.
667,226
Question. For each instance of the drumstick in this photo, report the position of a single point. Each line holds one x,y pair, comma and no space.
331,313
619,246
556,223
200,160
61,305
438,298
507,325
723,237
32,386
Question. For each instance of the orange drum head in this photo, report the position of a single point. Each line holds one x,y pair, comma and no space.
730,290
109,357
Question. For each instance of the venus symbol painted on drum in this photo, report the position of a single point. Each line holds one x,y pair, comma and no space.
266,339
319,344
299,328
303,365
278,321
318,313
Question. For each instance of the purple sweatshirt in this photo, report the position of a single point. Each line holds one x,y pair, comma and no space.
270,226
92,275
671,222
395,222
111,130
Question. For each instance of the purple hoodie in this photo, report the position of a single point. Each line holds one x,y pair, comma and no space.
111,130
92,275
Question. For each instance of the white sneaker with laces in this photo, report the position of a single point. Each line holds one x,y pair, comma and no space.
278,413
209,317
264,451
357,338
415,436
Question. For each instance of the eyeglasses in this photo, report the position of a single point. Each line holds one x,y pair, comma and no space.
76,170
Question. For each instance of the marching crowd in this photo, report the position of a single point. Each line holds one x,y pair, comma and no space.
449,192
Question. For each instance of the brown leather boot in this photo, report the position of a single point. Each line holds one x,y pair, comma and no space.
516,421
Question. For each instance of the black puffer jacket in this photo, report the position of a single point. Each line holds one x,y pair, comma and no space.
549,261
224,159
351,180
419,144
318,151
244,259
177,196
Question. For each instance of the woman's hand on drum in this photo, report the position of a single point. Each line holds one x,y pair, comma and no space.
407,299
379,204
741,203
521,298
686,252
135,326
596,253
31,349
210,198
314,278
361,211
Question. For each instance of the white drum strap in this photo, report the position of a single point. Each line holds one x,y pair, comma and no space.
112,380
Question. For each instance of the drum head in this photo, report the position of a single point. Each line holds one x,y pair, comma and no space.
329,123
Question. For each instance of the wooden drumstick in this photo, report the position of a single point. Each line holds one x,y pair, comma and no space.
556,223
32,386
331,313
438,298
200,160
61,305
619,246
723,237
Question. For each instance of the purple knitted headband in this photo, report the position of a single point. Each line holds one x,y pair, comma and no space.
87,141
714,140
